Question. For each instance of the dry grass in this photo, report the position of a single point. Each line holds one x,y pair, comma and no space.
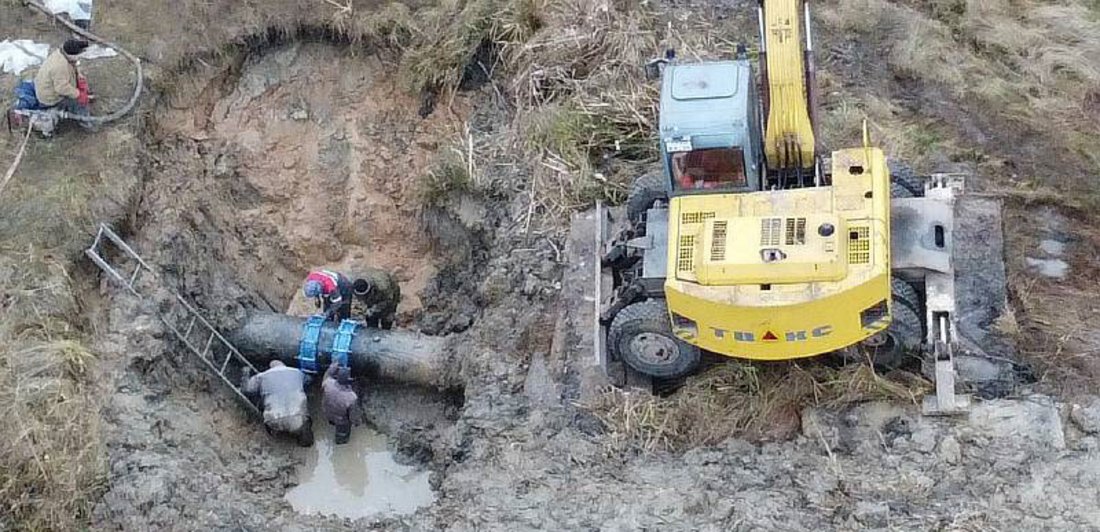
1030,64
446,39
1053,321
52,461
52,454
756,401
587,116
450,174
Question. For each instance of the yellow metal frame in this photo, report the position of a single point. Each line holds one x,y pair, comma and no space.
788,134
727,299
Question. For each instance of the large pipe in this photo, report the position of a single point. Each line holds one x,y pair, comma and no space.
395,355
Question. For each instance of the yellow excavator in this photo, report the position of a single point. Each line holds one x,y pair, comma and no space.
751,242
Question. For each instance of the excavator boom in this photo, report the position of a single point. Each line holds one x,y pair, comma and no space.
789,141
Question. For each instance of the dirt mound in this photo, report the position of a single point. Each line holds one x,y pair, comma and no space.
305,157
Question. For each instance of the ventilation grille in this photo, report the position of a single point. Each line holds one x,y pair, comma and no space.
796,231
859,245
770,229
718,242
695,217
684,259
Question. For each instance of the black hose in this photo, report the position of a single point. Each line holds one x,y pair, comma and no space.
138,86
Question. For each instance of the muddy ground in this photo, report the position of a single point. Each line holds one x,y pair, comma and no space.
265,161
293,157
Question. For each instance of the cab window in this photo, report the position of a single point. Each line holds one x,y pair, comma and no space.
716,168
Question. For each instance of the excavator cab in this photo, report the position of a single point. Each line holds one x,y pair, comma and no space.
710,127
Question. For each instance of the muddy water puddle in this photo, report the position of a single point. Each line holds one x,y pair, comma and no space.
357,479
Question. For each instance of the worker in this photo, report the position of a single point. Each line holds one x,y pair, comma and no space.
331,291
378,293
59,84
338,399
283,400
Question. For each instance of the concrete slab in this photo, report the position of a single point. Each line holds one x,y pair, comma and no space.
980,284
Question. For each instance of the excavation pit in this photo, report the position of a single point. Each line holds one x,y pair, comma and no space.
260,166
299,156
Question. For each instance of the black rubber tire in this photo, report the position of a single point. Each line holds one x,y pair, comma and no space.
904,182
903,292
906,331
650,317
646,189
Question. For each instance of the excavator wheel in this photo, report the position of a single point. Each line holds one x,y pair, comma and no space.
903,292
641,336
890,348
646,189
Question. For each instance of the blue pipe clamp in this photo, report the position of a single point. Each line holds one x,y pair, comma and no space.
307,349
341,344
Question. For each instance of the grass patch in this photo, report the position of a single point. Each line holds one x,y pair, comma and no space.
445,40
52,456
755,401
587,115
47,214
1031,65
449,175
589,144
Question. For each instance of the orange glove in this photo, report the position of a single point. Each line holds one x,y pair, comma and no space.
82,87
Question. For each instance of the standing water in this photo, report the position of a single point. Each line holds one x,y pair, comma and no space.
357,479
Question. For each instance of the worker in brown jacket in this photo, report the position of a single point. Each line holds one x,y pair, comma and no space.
338,399
58,84
377,292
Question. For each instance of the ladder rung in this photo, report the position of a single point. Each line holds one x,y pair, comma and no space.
103,264
206,349
98,237
137,270
121,244
190,326
228,355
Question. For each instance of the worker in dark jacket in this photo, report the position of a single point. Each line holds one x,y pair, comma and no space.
338,400
331,291
283,400
378,293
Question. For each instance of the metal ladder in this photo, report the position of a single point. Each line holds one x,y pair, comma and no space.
216,351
